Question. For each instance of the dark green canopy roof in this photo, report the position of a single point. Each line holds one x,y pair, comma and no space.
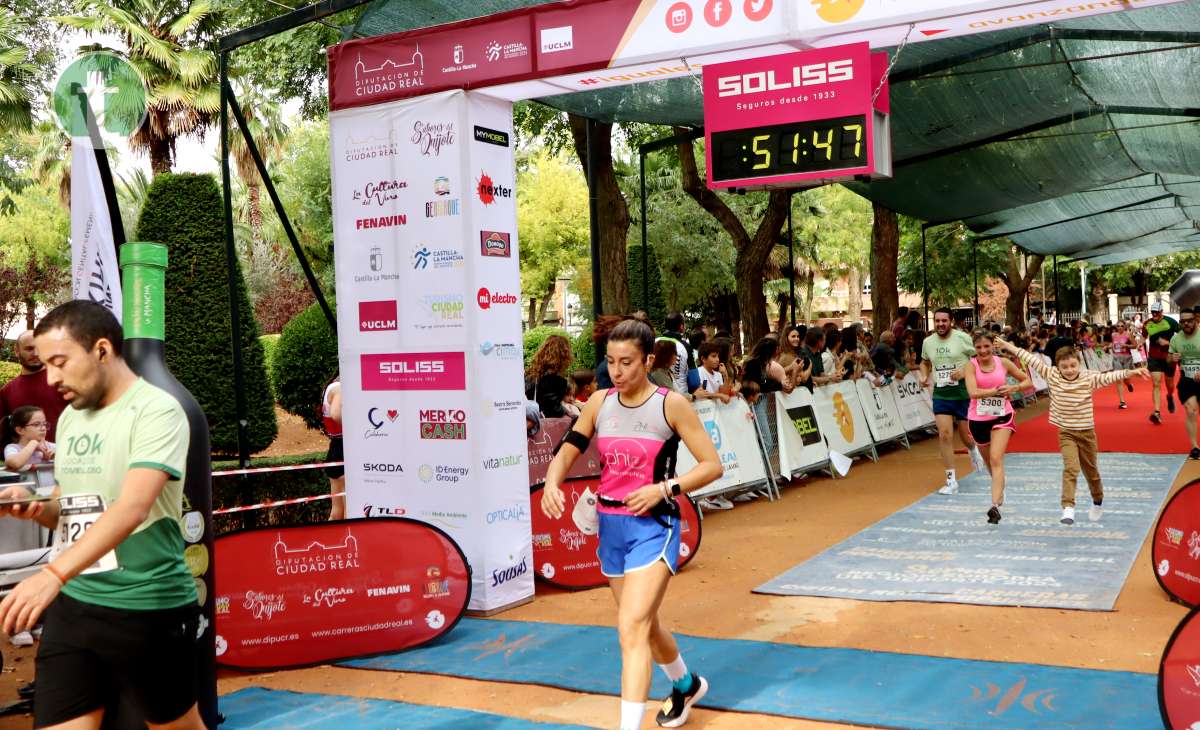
1079,139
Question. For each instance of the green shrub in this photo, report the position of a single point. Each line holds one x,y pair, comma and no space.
184,212
232,491
8,371
584,349
657,309
305,360
268,345
536,336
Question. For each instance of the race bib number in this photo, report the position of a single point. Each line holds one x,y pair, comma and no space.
1190,369
993,407
76,514
941,375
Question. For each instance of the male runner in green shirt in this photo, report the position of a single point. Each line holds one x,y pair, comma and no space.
1185,350
1159,330
942,354
121,612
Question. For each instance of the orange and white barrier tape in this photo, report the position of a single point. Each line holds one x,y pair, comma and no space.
267,469
276,503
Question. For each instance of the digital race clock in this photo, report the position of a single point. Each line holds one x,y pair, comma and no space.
797,119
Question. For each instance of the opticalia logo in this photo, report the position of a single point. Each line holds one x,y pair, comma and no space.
515,513
431,137
487,298
414,371
372,510
442,474
379,192
491,136
402,72
443,425
370,147
383,221
488,190
500,462
500,577
555,40
377,316
504,351
379,418
424,257
813,74
495,243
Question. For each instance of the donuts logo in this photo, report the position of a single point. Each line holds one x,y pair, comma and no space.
837,11
842,417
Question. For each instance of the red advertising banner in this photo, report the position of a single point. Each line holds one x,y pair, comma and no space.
1179,676
541,453
1175,551
307,594
414,371
564,550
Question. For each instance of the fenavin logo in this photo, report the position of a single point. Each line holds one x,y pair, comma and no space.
813,74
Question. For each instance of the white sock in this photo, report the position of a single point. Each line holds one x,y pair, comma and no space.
676,670
631,715
950,478
978,453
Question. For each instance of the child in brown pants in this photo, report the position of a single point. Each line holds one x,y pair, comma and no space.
1071,410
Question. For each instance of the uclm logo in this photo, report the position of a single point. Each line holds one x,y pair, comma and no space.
414,371
377,316
813,74
487,298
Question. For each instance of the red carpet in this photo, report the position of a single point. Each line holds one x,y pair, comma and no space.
1129,430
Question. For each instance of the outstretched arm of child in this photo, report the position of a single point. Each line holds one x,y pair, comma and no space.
1028,359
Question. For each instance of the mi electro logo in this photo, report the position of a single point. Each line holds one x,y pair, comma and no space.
813,74
487,298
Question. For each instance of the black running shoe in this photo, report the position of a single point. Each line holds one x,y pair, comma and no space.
1129,386
1194,455
1123,405
994,515
674,712
1170,404
1155,418
25,691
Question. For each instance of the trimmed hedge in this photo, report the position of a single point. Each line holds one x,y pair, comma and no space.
184,212
305,359
268,345
8,371
233,491
657,309
584,349
536,336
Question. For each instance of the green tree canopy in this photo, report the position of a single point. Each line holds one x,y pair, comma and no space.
552,221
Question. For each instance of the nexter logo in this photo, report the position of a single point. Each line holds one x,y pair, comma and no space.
813,74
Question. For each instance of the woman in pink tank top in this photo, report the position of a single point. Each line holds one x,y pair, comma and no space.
991,416
638,426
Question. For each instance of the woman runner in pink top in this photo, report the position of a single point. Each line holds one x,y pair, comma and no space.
991,416
638,426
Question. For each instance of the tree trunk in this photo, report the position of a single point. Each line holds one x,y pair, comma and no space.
1097,298
612,212
256,217
533,310
30,313
854,307
885,250
810,279
160,156
1018,285
545,305
752,251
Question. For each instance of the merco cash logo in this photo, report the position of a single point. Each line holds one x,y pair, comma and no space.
443,424
813,74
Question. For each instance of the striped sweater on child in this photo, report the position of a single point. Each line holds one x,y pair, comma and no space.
1071,400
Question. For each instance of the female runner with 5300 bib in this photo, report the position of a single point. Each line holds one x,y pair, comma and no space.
638,427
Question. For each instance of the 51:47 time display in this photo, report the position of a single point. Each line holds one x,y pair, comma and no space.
828,144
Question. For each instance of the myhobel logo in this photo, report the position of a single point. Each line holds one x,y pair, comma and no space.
110,86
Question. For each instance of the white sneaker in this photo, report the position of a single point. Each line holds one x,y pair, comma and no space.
949,488
1094,512
1068,517
722,503
977,461
746,497
715,503
22,639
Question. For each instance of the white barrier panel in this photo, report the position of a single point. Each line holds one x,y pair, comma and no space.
879,406
801,446
916,410
841,417
731,427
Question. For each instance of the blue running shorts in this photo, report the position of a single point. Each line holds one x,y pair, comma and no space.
629,543
947,407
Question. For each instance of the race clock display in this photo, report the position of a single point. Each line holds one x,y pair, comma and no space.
784,149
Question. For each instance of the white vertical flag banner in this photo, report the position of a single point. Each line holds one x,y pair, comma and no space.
94,272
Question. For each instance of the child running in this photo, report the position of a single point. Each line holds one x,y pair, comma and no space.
1071,410
26,444
991,416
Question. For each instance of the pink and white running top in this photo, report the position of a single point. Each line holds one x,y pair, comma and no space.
637,445
999,406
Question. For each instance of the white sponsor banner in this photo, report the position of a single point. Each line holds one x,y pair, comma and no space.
94,272
429,328
843,423
801,445
882,413
731,427
913,402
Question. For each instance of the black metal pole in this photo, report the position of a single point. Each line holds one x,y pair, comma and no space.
1057,303
791,264
645,241
594,220
231,265
309,276
975,269
924,276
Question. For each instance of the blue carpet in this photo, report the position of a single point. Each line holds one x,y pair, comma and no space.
268,709
838,685
942,549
